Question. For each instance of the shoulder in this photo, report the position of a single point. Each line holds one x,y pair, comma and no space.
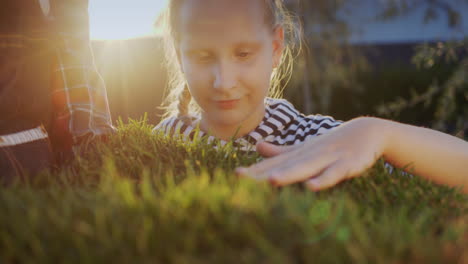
298,127
283,106
323,120
276,104
280,109
316,124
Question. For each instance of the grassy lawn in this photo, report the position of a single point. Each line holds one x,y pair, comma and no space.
143,198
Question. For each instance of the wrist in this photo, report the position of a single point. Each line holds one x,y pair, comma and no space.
379,131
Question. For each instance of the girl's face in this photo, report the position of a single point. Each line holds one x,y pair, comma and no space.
227,53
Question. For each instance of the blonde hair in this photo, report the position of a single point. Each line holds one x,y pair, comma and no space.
178,101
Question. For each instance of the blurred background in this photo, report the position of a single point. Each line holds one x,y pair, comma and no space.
397,59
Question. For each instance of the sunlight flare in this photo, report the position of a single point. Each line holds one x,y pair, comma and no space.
123,19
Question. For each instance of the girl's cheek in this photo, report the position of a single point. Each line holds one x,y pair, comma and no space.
199,77
189,68
258,70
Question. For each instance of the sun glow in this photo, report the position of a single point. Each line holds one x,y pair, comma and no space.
123,19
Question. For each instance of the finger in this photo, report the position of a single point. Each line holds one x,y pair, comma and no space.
269,150
262,170
266,165
329,177
299,170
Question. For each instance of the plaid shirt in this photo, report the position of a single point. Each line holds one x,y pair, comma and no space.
78,94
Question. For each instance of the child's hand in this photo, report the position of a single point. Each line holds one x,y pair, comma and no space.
323,161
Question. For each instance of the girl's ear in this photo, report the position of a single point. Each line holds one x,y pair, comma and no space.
278,45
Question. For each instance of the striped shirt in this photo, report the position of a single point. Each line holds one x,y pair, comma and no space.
281,125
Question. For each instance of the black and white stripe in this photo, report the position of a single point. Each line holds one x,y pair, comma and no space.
281,125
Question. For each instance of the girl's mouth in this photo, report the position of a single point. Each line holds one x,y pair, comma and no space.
227,104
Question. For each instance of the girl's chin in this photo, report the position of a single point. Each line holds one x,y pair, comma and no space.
226,120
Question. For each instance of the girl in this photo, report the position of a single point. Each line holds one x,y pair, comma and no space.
230,54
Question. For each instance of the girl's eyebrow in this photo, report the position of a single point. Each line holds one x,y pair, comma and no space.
196,47
251,44
193,52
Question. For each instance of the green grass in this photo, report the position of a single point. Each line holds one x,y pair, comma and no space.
143,198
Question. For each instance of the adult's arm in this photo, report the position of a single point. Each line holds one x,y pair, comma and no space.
80,104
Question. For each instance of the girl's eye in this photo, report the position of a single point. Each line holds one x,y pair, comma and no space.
244,54
203,58
200,57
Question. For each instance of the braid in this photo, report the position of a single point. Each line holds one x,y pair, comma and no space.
183,105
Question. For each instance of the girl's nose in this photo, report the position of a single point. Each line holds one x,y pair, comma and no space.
224,76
